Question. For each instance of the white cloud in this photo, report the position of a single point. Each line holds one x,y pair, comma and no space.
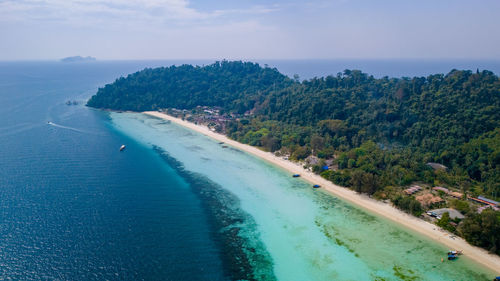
290,29
85,12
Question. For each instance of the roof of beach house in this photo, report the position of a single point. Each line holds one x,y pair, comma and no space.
443,189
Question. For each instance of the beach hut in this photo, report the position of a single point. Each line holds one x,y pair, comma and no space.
428,199
440,188
437,166
457,195
481,209
413,189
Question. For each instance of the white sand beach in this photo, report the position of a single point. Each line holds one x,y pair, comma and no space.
479,255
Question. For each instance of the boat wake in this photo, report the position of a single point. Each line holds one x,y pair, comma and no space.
68,128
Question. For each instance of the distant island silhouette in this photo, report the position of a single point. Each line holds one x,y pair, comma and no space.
78,59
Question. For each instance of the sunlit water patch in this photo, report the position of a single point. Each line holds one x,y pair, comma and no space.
308,234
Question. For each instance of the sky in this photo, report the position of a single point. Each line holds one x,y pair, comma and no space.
249,29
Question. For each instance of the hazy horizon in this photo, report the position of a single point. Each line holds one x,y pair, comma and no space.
310,68
57,59
249,29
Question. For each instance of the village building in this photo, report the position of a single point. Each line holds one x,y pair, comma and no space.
427,200
481,209
454,214
437,166
412,190
457,195
440,188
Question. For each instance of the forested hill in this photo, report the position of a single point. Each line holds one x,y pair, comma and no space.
452,119
432,113
233,85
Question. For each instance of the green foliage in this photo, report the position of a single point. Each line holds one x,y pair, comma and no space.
408,204
364,182
480,158
300,153
392,127
255,138
444,222
236,86
460,205
482,230
337,177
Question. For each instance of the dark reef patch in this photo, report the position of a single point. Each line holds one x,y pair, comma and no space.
243,255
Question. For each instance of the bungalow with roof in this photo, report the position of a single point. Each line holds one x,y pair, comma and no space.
412,190
457,195
481,209
484,200
454,214
437,166
312,160
440,188
428,199
491,202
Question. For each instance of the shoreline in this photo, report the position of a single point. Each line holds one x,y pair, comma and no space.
479,255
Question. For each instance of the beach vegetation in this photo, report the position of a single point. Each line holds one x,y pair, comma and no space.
444,222
408,204
461,205
482,230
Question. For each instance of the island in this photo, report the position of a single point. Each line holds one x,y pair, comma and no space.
429,146
78,59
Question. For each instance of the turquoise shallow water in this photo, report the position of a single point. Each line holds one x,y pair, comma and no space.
291,231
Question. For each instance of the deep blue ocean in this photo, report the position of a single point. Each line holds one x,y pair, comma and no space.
73,207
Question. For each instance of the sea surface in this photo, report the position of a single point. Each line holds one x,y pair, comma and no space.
175,205
307,69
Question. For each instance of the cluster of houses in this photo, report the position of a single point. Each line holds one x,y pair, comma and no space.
488,203
210,116
428,199
453,194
